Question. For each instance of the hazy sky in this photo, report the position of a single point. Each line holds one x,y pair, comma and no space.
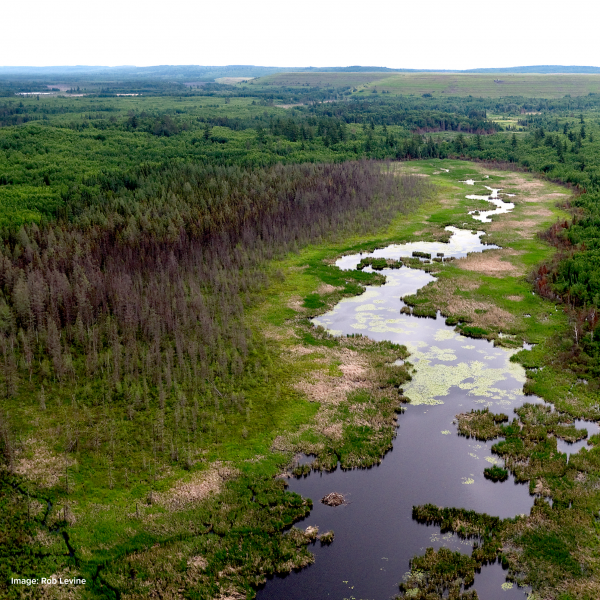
417,34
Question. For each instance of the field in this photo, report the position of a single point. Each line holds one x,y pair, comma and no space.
320,79
495,85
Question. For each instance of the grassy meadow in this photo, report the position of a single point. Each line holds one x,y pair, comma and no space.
492,85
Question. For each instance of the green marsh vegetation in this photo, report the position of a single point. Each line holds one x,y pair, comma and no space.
546,548
560,144
480,292
121,401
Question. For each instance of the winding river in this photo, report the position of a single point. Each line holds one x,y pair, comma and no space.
375,535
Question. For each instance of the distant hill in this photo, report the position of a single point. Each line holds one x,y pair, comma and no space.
184,73
543,69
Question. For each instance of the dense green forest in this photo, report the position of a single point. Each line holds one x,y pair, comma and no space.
138,234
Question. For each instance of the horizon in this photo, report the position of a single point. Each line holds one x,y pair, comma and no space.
308,67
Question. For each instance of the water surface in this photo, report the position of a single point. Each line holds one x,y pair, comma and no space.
501,207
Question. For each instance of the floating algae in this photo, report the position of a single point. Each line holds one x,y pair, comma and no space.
445,334
434,353
365,307
431,382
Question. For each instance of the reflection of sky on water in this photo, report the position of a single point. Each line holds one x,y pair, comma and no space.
592,429
501,206
484,215
461,243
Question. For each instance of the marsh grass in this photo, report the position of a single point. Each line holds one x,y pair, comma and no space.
480,424
495,473
563,530
379,264
565,568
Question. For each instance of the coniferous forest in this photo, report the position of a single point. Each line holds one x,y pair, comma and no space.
144,242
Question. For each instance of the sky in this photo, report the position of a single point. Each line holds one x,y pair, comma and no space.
430,35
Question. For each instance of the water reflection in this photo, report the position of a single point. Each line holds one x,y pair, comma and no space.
461,243
485,215
574,447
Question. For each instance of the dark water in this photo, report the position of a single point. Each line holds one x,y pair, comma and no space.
375,535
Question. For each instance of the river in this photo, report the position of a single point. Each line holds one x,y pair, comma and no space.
375,535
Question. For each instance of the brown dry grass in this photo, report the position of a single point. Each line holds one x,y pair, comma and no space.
405,168
300,350
295,303
515,298
532,208
325,288
524,228
491,262
334,431
537,212
542,488
443,296
39,464
545,198
197,488
324,388
43,538
356,372
231,595
527,228
523,185
197,562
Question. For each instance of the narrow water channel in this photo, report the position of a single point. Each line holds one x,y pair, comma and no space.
375,535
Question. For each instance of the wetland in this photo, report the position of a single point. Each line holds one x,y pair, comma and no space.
376,535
